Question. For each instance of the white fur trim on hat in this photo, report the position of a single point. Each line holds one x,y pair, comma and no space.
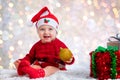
48,21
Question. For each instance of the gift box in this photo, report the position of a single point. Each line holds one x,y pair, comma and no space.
114,41
105,63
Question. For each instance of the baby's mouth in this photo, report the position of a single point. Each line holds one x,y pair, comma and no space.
46,36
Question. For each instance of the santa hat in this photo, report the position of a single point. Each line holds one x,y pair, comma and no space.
45,17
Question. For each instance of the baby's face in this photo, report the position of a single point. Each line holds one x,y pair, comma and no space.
46,33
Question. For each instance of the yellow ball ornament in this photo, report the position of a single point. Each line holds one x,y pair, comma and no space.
65,54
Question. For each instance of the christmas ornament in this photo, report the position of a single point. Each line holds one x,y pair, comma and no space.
65,54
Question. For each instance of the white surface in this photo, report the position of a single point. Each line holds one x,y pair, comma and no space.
11,74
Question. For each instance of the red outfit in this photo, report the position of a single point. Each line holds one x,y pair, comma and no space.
47,54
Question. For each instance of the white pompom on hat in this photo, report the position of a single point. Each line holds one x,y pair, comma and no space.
45,17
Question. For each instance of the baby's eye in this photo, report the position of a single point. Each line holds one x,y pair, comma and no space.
41,29
50,29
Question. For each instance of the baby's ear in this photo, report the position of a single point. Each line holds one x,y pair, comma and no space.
37,29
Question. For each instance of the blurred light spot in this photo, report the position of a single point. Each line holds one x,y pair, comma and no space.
21,56
0,6
92,13
1,41
1,32
67,8
0,19
1,67
0,59
20,42
11,48
89,2
85,18
11,4
10,28
20,21
58,4
115,12
11,36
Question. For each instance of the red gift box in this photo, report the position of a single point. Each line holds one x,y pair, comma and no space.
104,63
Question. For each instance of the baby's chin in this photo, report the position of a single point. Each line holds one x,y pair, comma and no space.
47,41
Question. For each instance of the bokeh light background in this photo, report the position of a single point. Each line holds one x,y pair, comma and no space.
84,25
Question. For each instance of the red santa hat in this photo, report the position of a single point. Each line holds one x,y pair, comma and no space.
45,17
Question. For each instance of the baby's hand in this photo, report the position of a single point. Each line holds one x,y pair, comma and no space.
16,63
69,60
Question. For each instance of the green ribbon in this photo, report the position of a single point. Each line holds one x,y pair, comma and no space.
94,65
99,49
111,50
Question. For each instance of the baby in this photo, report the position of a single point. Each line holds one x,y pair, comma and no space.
43,58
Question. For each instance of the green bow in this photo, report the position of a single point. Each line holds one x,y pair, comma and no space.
100,49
